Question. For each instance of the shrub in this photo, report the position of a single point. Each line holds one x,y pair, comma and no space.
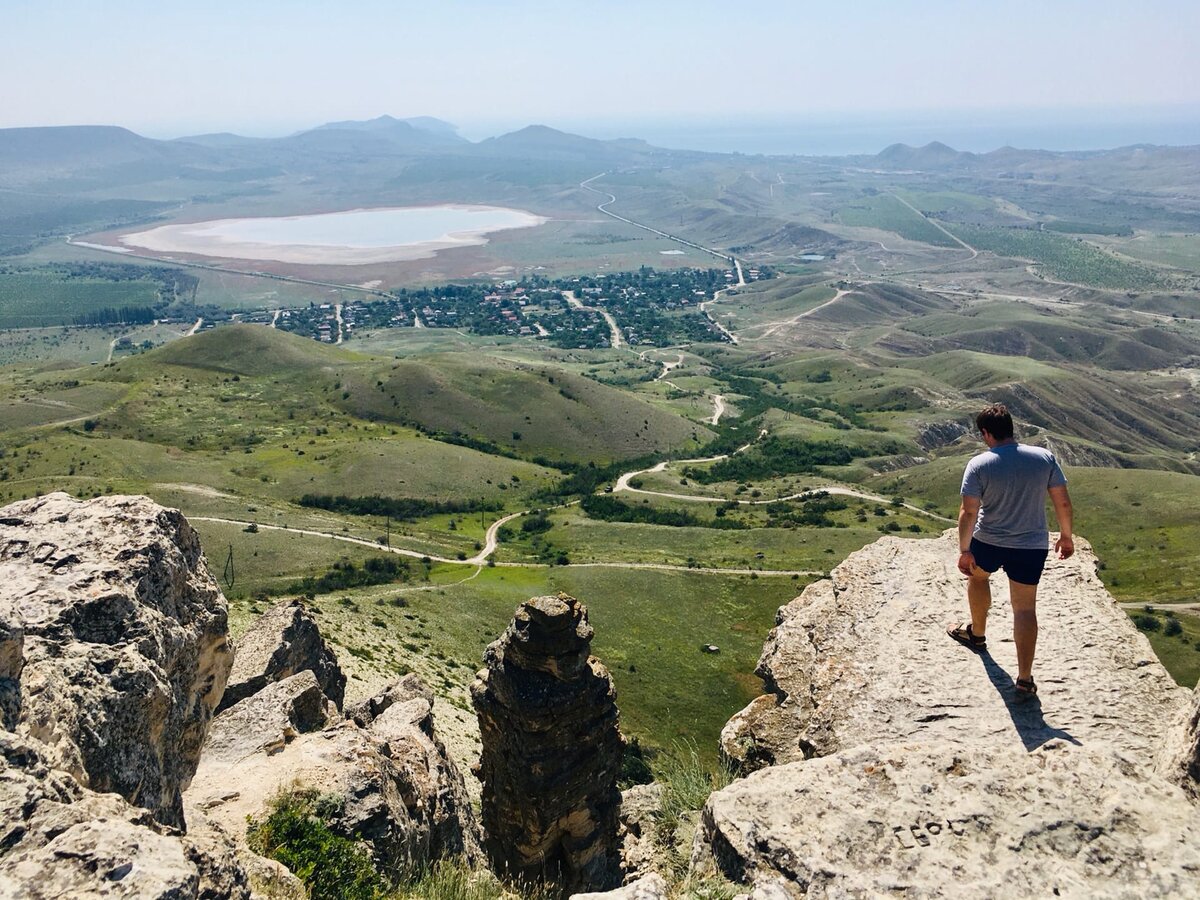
1146,623
296,833
1173,628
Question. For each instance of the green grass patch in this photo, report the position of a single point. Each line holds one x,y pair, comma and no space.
1175,638
41,297
885,212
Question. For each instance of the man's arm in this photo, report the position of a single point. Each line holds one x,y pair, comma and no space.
968,514
1065,545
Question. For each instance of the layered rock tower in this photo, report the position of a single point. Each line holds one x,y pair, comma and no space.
551,750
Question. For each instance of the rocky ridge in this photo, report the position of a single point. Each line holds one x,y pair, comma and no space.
892,760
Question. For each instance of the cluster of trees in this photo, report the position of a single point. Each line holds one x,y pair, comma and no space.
114,315
609,509
345,575
813,513
405,509
775,456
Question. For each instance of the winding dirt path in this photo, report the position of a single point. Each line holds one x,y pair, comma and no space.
480,559
775,327
718,409
622,485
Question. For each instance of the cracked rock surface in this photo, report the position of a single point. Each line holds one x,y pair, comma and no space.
892,761
863,657
122,651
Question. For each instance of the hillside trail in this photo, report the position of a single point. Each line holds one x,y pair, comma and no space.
773,328
887,670
718,409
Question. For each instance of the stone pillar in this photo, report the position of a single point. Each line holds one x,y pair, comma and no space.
551,750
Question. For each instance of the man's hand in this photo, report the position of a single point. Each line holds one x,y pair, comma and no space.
966,562
1065,546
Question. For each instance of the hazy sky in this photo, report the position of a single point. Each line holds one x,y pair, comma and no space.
166,68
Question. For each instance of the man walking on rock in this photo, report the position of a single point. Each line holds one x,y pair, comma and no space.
1002,525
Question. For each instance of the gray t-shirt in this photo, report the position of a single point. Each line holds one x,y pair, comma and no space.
1011,481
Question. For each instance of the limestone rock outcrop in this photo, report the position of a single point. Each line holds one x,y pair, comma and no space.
1179,757
939,819
649,887
284,640
405,690
59,839
863,658
892,760
397,789
113,647
269,720
640,851
551,750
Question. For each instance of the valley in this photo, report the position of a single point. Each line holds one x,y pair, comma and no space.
699,385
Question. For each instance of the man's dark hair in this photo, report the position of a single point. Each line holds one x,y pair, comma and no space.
996,421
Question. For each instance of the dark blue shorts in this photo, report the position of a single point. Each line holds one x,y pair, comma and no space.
1022,566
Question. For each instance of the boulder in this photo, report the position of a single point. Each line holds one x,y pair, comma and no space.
931,818
551,750
1179,757
265,722
640,850
649,887
123,653
59,839
408,688
863,658
394,785
282,641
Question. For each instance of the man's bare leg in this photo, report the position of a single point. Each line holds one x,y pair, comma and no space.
1025,625
979,596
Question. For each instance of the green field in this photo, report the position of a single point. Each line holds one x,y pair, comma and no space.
1061,258
38,298
1179,652
1182,251
885,212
